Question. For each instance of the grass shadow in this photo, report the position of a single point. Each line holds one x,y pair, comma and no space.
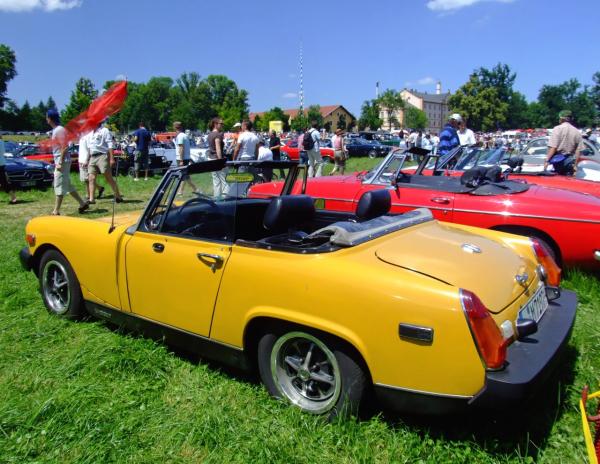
524,428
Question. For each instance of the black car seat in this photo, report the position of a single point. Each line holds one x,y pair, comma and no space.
493,174
473,177
285,215
372,204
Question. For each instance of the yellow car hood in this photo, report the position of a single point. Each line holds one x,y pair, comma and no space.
462,259
122,219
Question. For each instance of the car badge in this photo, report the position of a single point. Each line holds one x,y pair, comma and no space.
522,279
470,248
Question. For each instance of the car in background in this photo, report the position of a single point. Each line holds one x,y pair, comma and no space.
430,317
23,173
37,153
362,147
290,151
10,148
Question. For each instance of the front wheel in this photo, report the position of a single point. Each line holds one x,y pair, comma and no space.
59,286
372,154
314,372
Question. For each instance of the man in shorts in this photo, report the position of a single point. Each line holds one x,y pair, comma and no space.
142,139
100,145
564,146
62,164
83,158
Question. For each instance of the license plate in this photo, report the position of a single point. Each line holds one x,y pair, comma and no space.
535,308
29,183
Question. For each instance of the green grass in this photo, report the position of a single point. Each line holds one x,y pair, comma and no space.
87,393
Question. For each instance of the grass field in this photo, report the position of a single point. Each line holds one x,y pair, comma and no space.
87,393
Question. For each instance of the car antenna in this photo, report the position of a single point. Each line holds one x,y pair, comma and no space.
112,220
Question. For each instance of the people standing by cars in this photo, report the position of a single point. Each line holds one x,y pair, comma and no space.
4,182
427,143
302,156
100,145
62,165
339,152
448,136
182,153
216,148
275,146
83,158
310,142
142,139
564,146
465,135
247,143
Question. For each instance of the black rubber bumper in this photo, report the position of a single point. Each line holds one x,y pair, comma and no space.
26,259
530,362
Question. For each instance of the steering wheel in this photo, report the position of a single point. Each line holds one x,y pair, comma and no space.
201,198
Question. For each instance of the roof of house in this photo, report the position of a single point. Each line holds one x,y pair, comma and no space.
430,97
293,112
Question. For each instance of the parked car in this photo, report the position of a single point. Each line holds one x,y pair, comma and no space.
412,318
37,153
290,151
567,222
360,147
23,173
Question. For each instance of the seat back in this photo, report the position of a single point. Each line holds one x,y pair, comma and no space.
288,212
373,203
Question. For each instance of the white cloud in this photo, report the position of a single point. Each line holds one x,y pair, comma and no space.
426,81
292,76
449,5
17,6
290,95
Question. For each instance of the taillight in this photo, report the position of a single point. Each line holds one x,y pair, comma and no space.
30,239
545,258
488,337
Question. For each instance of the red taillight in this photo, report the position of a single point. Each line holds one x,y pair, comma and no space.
489,339
30,239
545,258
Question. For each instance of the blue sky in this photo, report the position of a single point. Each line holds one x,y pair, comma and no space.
348,46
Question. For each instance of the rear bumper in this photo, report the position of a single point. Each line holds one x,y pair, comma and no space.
530,362
26,259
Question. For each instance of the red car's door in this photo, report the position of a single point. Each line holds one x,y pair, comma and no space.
291,149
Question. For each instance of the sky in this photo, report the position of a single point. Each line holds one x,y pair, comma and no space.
347,46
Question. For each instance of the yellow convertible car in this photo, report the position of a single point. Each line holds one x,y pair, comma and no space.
329,307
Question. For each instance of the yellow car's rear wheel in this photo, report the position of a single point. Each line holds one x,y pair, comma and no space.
59,286
312,371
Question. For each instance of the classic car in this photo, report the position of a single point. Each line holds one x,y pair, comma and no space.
37,153
23,173
567,222
412,316
361,147
289,151
588,168
462,158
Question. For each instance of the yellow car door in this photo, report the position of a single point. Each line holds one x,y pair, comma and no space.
175,280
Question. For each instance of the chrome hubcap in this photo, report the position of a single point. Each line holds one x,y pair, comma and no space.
55,287
306,372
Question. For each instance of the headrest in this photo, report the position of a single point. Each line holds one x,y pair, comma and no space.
493,174
473,177
374,203
515,162
288,211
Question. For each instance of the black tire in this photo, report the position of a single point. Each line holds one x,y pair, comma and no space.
59,286
333,384
372,154
131,172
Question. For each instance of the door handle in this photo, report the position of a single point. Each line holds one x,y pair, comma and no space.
214,261
441,200
158,247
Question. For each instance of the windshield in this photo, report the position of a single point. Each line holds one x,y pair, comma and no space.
385,172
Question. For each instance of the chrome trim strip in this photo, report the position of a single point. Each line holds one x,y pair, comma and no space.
421,392
441,208
506,214
319,197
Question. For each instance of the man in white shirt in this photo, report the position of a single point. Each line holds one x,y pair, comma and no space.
100,146
182,153
465,135
83,159
247,143
315,161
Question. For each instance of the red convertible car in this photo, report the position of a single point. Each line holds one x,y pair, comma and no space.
463,158
567,222
290,151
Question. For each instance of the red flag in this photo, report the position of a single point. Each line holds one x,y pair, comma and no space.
107,104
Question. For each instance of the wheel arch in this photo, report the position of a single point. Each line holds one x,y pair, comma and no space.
532,232
37,256
261,325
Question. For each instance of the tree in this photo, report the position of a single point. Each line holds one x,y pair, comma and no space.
568,95
595,90
314,115
518,112
38,117
300,122
499,77
391,102
479,104
227,100
275,114
81,97
415,118
7,70
369,116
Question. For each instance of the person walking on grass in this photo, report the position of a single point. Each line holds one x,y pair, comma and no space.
83,159
142,139
182,153
4,182
339,155
62,164
100,145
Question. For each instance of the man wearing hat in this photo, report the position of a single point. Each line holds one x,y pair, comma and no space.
564,146
449,136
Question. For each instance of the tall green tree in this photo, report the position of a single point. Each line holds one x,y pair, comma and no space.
314,115
369,116
276,114
300,122
569,95
7,70
227,100
391,101
80,100
415,118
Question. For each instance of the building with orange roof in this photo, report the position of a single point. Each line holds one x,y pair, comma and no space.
332,115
